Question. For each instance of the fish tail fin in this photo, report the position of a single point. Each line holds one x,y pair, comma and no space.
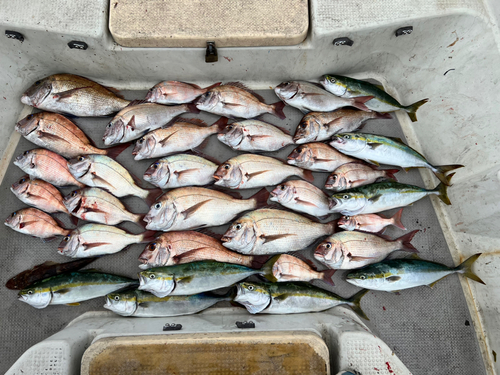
441,170
396,220
267,269
261,198
212,86
355,303
114,151
219,125
389,173
359,102
148,236
307,175
442,189
465,268
258,261
73,219
278,109
406,242
412,109
153,194
332,226
387,116
327,276
192,108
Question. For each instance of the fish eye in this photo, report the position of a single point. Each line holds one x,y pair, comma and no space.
30,292
81,158
334,176
328,245
140,141
227,166
230,127
303,125
157,205
117,298
14,213
362,277
109,125
331,79
37,82
66,239
347,136
347,217
299,150
152,246
30,116
345,196
156,165
282,187
26,152
22,180
73,194
250,287
152,276
237,226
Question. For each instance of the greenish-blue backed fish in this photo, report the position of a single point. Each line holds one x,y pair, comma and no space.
378,150
193,278
398,274
292,298
382,102
141,304
71,288
382,196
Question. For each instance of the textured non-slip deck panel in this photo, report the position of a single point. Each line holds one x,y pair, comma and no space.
430,330
228,23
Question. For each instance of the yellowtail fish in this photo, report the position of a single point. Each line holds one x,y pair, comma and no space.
72,94
292,298
72,288
398,274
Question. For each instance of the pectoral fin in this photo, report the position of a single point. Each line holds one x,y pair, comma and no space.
275,237
359,259
187,172
374,162
94,209
101,181
191,210
62,291
374,145
164,141
393,279
251,175
69,93
73,304
375,198
53,137
95,244
305,203
257,137
183,279
281,297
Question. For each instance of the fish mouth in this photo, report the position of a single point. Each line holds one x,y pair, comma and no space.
144,266
217,177
337,139
225,239
142,282
108,303
22,298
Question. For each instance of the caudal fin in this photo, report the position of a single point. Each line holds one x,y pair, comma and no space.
192,108
114,151
153,194
389,173
212,86
258,261
442,189
465,269
148,236
359,102
219,125
441,170
386,116
307,175
327,275
412,109
396,220
261,198
278,109
267,269
332,226
405,241
355,303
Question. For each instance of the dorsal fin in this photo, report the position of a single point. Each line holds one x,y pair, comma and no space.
115,91
190,84
395,139
243,87
317,84
136,102
203,155
194,121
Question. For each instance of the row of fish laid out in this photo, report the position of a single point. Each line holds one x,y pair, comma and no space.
79,96
181,289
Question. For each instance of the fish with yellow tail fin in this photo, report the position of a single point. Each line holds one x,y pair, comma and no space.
398,274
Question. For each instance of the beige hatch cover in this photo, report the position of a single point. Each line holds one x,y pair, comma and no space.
193,23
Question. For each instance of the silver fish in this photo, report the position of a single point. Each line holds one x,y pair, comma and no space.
254,135
195,207
141,304
135,120
318,157
271,231
183,135
47,166
97,205
68,93
302,196
106,173
352,175
175,92
350,250
309,97
250,171
235,100
93,240
180,171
